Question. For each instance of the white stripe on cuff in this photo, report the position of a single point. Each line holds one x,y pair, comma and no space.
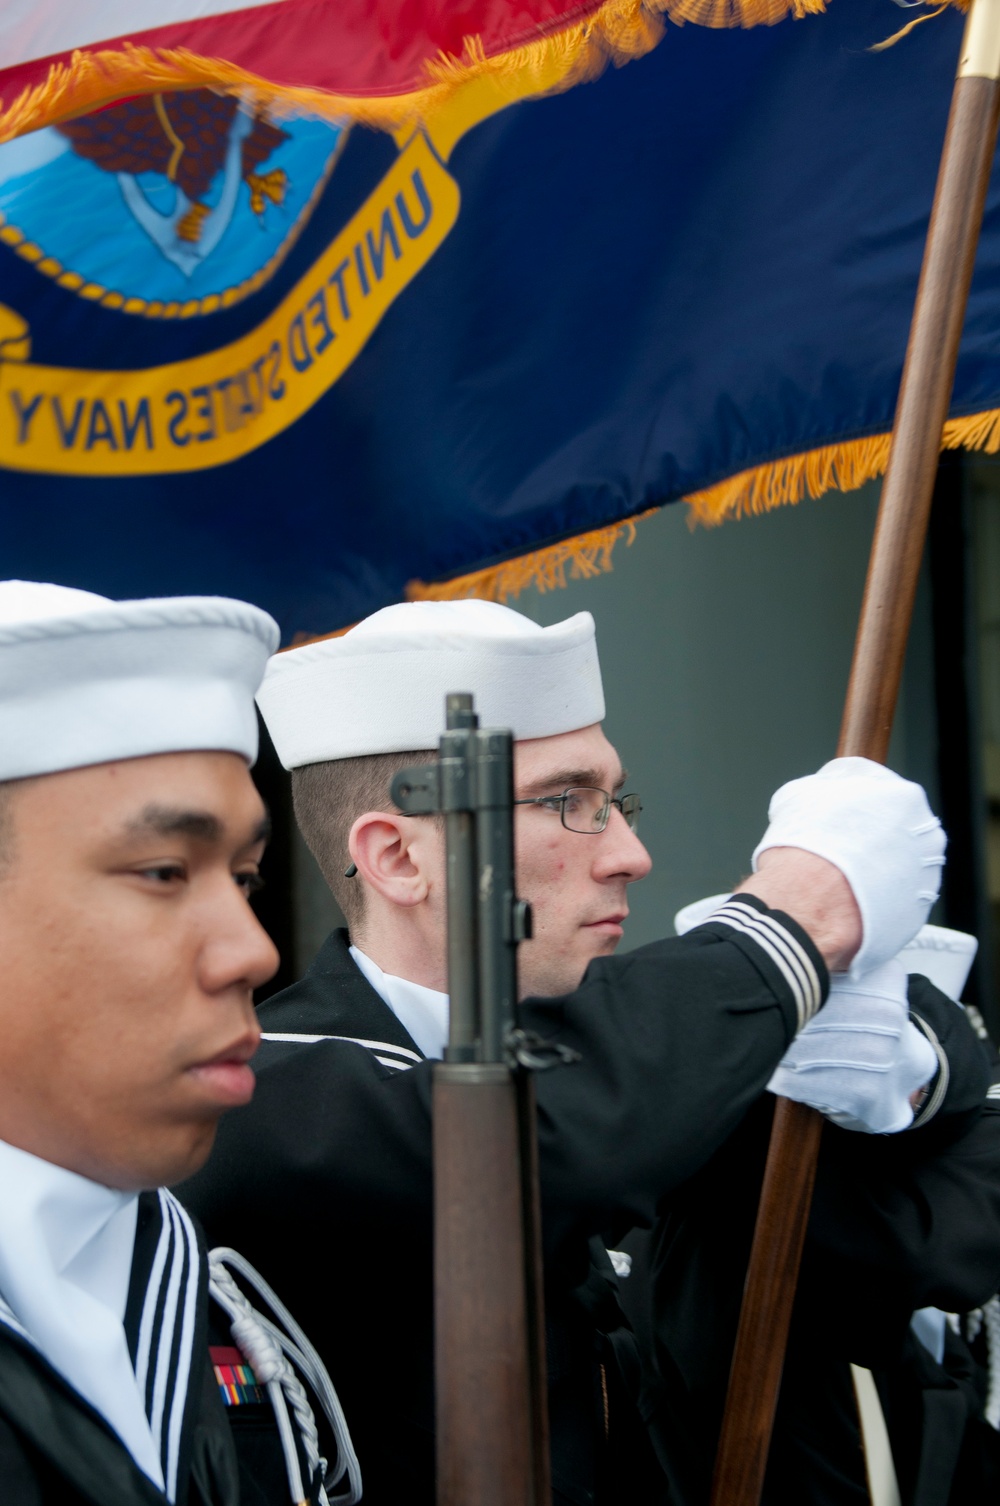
787,954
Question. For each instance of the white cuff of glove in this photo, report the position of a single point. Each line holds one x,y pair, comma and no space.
883,836
859,1060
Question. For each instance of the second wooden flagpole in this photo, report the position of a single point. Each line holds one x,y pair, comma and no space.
879,651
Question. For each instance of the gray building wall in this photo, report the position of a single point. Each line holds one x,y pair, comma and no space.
725,655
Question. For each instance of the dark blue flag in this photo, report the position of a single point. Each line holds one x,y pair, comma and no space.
312,364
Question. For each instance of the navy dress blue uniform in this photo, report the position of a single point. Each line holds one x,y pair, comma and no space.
57,1450
324,1181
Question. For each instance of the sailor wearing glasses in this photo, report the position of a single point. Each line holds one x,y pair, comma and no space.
325,1180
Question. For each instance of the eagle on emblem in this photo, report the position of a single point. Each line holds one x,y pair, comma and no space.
190,137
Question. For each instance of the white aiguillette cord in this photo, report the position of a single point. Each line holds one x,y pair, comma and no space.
969,1325
272,1355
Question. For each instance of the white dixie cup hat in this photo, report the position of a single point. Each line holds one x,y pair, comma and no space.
381,687
86,680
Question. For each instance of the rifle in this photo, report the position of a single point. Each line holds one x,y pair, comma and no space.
491,1390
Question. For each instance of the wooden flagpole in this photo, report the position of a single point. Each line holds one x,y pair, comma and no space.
879,651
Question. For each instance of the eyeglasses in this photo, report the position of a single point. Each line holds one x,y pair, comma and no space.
587,810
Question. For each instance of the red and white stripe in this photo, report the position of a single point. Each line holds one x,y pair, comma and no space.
365,48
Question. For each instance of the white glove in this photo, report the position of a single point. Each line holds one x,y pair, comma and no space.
861,1057
883,836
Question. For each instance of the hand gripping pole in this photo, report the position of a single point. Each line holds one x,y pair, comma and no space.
879,651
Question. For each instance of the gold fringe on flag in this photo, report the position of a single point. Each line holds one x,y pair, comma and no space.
904,31
548,569
615,32
779,483
841,467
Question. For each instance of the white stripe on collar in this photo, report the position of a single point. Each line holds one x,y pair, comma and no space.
164,1350
400,1060
423,1012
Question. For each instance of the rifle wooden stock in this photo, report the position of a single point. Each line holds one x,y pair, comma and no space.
531,1201
489,1326
876,672
483,1362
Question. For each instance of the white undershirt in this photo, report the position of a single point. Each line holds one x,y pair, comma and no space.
422,1011
66,1247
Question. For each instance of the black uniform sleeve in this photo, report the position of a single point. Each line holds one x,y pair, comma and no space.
676,1040
898,1222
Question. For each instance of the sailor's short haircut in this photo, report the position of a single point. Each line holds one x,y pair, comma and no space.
329,797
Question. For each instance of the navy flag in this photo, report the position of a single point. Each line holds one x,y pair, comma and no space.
321,366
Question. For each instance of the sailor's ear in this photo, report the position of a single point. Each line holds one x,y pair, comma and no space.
387,850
